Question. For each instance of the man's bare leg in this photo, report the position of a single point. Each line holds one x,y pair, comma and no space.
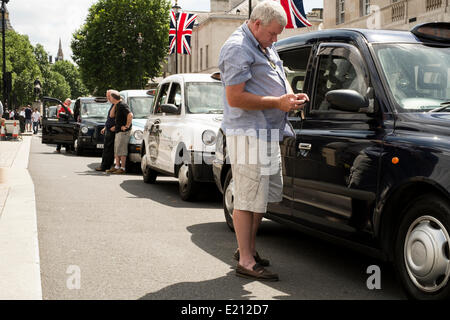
257,217
123,160
243,226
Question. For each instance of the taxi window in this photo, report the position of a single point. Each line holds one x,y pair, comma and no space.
175,95
338,68
162,95
418,76
295,64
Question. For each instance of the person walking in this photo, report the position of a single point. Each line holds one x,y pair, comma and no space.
123,118
35,118
109,132
28,113
257,100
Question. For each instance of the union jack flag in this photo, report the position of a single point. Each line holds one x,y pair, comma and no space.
183,32
295,13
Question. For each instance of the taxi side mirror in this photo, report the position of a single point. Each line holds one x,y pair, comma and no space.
169,108
347,100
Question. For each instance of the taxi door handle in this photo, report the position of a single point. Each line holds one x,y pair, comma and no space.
304,146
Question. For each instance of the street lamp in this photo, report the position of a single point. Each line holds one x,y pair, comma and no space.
5,93
140,39
176,8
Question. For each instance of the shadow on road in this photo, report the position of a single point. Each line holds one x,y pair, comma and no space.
165,191
309,268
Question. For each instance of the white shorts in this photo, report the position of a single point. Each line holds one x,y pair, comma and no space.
257,173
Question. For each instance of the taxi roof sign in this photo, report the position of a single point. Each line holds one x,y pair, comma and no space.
435,31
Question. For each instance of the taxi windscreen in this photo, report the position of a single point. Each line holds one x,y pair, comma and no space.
141,106
417,75
91,110
204,97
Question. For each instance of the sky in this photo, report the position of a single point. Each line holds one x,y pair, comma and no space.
47,21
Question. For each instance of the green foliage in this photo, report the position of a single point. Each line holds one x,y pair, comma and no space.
114,25
21,61
72,75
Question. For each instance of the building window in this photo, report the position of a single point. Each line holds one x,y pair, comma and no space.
433,4
207,49
365,7
340,11
201,59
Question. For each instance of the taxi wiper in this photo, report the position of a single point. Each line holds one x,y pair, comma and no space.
444,106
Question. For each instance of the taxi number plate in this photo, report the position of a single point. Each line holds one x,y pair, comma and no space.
100,146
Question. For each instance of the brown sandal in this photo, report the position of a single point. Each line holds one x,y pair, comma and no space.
258,273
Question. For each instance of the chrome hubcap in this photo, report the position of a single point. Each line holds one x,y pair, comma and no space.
229,197
183,176
426,254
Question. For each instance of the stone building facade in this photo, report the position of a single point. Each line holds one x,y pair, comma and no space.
383,14
213,28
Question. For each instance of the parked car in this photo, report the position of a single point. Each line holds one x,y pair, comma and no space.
81,130
370,160
140,103
180,134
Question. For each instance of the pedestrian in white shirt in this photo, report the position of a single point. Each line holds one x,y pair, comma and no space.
35,118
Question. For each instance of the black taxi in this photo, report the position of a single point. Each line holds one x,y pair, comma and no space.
369,163
80,128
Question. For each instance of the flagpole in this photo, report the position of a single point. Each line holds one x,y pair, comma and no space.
176,8
249,8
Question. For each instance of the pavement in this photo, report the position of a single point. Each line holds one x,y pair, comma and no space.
19,251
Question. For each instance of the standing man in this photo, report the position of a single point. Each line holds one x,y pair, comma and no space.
61,111
22,119
35,118
28,113
257,101
109,132
123,117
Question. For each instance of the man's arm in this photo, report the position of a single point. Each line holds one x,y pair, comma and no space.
239,98
129,119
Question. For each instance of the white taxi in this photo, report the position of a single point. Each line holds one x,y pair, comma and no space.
180,134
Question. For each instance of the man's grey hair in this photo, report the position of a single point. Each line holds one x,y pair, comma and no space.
267,11
115,94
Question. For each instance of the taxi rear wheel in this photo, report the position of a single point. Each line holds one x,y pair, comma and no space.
228,200
422,249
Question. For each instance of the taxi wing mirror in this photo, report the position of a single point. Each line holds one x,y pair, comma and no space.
347,100
169,108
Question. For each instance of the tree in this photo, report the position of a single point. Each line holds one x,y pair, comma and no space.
54,84
72,75
21,62
112,27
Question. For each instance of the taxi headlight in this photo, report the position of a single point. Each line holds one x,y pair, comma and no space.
209,137
138,135
84,130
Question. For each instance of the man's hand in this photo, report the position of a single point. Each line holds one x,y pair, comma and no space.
290,101
103,131
123,128
113,128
